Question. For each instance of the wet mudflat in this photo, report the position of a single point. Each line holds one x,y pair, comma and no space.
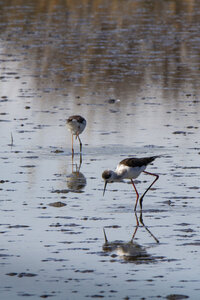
133,72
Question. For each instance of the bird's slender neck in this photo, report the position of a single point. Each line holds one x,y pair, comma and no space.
116,176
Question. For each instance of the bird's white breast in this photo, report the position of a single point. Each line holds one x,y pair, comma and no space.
129,172
76,127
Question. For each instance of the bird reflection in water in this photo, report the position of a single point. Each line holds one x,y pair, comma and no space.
76,181
130,251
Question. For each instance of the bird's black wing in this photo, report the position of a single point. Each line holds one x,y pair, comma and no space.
137,162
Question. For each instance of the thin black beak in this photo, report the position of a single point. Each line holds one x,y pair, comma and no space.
105,237
104,187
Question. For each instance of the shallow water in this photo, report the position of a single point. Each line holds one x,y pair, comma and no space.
133,72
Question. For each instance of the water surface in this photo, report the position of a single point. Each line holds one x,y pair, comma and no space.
131,68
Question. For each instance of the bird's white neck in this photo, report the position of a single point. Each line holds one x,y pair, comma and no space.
116,176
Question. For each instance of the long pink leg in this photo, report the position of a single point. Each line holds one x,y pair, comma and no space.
136,194
141,198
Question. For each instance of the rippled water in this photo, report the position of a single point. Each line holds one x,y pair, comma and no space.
131,68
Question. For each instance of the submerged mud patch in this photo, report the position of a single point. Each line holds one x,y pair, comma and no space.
57,204
22,274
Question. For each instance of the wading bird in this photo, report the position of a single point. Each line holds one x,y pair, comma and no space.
130,168
76,125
